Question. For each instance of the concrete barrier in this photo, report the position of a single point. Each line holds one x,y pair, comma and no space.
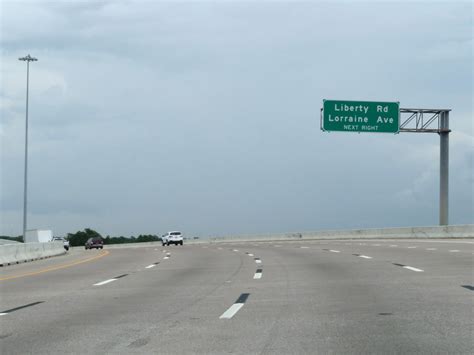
22,252
435,232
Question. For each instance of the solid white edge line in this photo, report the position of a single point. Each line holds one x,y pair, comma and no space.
412,268
258,275
231,311
150,266
104,282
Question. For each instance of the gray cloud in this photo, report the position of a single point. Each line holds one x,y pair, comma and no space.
205,116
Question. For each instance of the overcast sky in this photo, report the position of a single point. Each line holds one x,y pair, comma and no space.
204,116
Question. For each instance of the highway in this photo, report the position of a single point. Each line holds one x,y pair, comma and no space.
281,297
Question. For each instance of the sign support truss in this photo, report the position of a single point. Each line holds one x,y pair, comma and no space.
420,120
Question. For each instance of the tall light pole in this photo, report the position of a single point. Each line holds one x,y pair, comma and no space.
26,59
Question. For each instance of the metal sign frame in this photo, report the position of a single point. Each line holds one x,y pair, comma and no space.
421,120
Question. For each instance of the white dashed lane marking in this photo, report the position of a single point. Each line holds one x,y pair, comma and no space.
409,267
258,274
105,282
411,247
431,249
231,311
304,247
454,251
258,261
150,266
334,251
4,313
110,280
235,307
362,256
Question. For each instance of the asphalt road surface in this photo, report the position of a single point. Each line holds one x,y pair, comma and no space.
301,297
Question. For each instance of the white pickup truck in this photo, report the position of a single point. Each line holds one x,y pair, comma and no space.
174,237
59,239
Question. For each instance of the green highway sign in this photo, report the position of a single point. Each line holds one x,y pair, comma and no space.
360,116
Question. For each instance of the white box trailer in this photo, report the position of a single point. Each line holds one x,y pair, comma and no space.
38,236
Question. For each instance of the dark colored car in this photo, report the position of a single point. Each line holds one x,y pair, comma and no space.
97,243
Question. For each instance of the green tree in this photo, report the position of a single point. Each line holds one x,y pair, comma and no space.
16,239
147,238
80,238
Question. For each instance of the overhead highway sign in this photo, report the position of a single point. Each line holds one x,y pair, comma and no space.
360,116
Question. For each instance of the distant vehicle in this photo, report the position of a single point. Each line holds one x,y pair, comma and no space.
97,243
174,237
60,239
